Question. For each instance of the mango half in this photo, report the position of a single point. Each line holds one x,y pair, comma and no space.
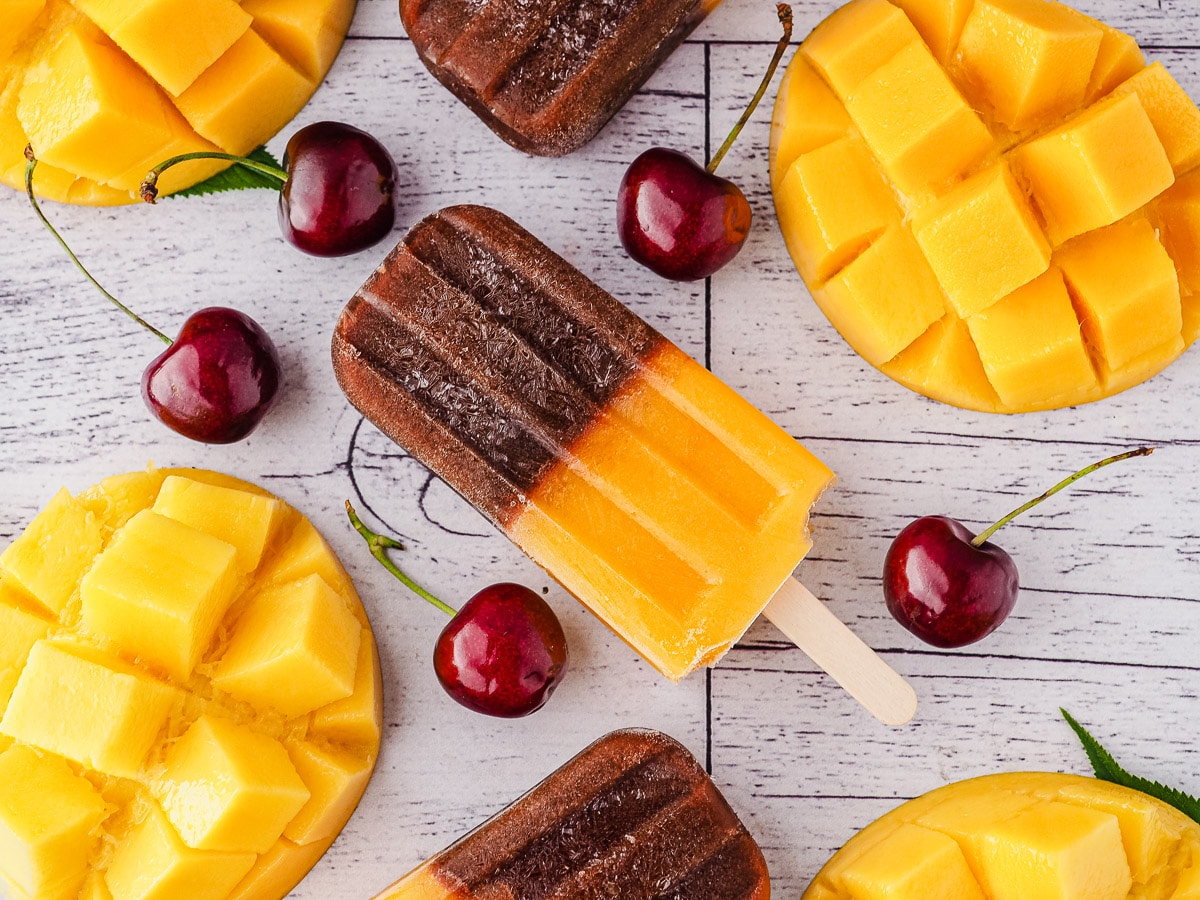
1020,836
190,696
105,90
995,202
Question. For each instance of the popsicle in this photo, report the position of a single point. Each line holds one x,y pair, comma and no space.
632,816
655,494
546,75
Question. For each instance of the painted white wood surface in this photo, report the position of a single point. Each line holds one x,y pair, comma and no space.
1109,618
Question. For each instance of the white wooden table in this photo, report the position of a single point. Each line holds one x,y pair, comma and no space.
1108,622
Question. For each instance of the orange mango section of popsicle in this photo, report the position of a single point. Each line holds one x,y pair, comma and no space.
128,770
1019,836
668,496
993,201
106,89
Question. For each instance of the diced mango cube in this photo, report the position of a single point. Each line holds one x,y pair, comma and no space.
181,139
274,872
1029,60
226,787
307,32
354,721
1126,290
940,23
12,145
53,552
832,203
49,823
981,240
1055,851
294,649
944,364
152,863
856,40
916,122
885,299
1148,836
1030,343
249,83
173,40
305,553
17,16
246,520
19,631
91,110
913,864
1096,168
336,780
159,591
1175,118
1118,59
109,725
1138,370
1177,213
966,816
819,117
117,498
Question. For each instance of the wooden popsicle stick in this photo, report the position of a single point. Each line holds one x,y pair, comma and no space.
810,625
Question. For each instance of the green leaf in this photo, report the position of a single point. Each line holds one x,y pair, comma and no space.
235,178
1107,769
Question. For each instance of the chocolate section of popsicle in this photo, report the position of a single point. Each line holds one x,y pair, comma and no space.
484,353
633,816
546,75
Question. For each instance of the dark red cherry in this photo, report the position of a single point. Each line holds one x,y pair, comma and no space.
337,187
950,587
678,219
944,589
339,196
216,380
503,654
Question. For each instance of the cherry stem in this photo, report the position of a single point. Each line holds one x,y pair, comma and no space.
149,186
379,545
982,537
30,165
785,19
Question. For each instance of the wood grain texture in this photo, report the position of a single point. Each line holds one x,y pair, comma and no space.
1107,624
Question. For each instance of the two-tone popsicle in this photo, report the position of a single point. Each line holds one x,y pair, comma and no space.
666,503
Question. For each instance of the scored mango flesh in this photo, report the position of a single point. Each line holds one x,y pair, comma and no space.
1020,836
104,90
190,695
995,202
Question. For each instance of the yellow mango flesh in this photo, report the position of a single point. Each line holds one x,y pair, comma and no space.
48,823
631,524
981,240
1096,168
159,591
1020,836
136,775
106,89
1028,60
1005,140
